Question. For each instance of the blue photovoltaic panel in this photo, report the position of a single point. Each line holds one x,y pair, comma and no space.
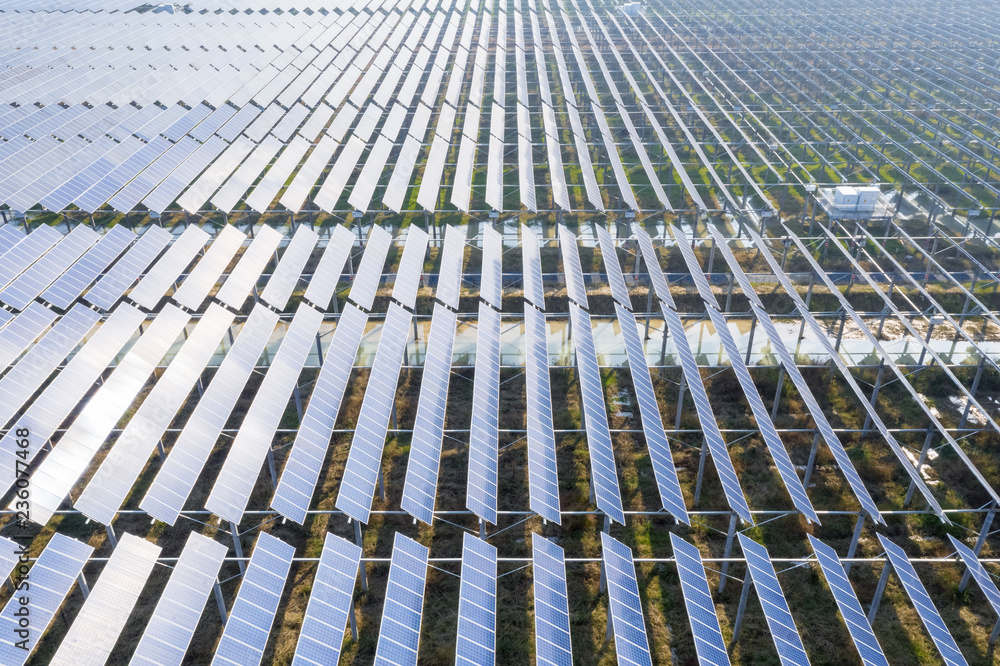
9,236
207,270
286,276
172,625
26,252
74,281
491,284
652,421
483,464
33,281
411,267
656,276
369,273
543,477
477,604
848,604
330,601
700,281
323,284
170,266
576,288
22,331
120,277
625,606
249,625
741,278
822,424
613,268
365,458
928,613
708,641
713,437
51,579
786,469
552,639
772,600
420,487
595,416
399,633
979,573
298,480
531,268
449,286
249,268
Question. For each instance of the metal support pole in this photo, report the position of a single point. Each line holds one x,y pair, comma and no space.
777,394
980,542
812,461
238,547
482,530
878,385
701,472
858,526
927,341
729,549
298,402
972,392
354,622
611,630
879,591
381,485
84,588
159,450
920,463
271,468
111,535
729,295
996,633
753,329
649,312
220,601
680,403
744,595
361,544
319,349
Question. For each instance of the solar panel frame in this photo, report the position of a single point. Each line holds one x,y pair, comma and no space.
708,641
399,630
96,628
248,628
923,604
847,602
331,598
172,625
483,481
68,287
624,604
553,644
364,461
477,598
779,618
978,573
151,288
110,287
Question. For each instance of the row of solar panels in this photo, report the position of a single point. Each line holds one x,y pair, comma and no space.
168,632
309,96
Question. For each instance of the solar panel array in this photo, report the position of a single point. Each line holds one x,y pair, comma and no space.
330,601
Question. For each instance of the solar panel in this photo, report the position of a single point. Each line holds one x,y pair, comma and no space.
298,481
461,193
72,454
69,387
700,281
164,272
231,492
576,289
595,416
494,170
206,272
33,281
847,602
449,285
491,286
175,618
180,471
427,196
652,423
120,277
477,603
708,641
822,424
710,427
24,378
113,481
779,618
22,331
411,266
52,578
399,633
979,573
656,277
9,236
613,269
279,173
323,284
249,625
534,290
249,268
782,461
365,459
213,176
553,644
542,474
330,601
928,613
94,632
483,452
26,252
230,194
399,181
293,261
68,287
625,606
420,487
8,556
369,274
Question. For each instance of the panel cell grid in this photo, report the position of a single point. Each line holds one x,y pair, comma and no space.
708,641
477,604
631,644
120,277
483,452
553,644
68,287
399,633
